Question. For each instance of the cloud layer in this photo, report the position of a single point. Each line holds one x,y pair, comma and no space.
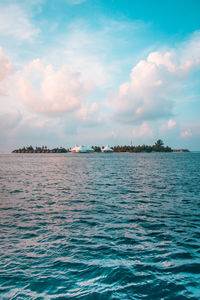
153,87
15,23
66,71
6,66
49,91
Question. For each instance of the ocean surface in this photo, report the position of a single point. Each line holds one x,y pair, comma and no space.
100,226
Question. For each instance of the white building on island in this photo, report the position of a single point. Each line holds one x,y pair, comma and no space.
82,149
107,149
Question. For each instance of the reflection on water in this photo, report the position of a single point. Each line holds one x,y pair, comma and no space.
100,226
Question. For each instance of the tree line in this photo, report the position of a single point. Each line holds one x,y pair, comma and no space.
157,147
42,149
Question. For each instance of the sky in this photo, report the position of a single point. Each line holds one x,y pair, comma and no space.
97,72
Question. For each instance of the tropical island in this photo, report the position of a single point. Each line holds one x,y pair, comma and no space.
157,147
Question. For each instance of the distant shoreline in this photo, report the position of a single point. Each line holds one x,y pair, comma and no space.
116,152
157,147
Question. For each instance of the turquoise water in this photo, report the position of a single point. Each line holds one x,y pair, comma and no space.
100,226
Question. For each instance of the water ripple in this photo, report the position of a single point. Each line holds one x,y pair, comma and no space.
95,226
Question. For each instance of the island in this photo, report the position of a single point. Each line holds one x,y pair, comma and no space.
157,147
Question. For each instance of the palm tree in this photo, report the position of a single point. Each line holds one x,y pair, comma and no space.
158,146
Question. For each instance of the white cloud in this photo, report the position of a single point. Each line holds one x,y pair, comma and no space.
186,133
20,130
153,87
90,114
6,66
9,120
6,69
169,129
15,22
143,130
52,92
8,124
189,51
171,124
190,130
75,2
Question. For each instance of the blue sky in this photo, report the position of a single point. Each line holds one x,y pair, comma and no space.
99,72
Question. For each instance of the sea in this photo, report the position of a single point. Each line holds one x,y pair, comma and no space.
100,226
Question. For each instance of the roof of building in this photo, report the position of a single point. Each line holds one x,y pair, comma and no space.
82,149
107,149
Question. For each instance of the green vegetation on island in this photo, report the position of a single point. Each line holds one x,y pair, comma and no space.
96,148
157,147
42,149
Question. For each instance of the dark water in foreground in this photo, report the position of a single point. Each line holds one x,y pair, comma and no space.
100,226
